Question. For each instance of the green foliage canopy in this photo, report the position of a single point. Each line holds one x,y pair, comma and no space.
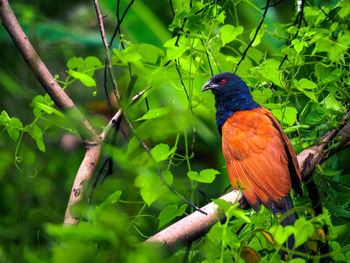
296,67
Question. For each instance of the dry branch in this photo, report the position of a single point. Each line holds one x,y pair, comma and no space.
92,140
197,224
84,174
88,166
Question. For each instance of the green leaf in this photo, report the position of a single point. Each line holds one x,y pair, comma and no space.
112,199
13,128
299,44
205,176
256,55
280,234
84,78
92,62
297,260
175,51
287,115
49,109
76,62
129,55
261,96
151,186
85,66
302,230
132,145
327,74
161,152
312,114
39,100
169,213
331,172
332,105
4,118
37,134
306,86
228,33
270,71
290,115
154,113
215,45
149,53
168,177
223,205
336,251
236,212
258,36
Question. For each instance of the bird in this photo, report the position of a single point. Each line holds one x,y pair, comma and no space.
259,157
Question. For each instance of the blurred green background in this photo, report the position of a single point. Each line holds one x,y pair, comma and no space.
35,185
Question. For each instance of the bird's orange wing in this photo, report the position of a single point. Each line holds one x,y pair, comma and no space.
258,157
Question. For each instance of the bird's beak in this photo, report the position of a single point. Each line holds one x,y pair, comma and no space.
207,86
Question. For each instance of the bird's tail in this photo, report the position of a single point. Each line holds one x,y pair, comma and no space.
288,221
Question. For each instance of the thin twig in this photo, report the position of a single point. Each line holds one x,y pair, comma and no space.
300,19
208,58
274,4
106,162
172,7
147,150
108,54
118,115
256,33
119,21
177,66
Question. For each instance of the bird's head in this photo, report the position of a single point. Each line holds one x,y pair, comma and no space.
224,84
231,95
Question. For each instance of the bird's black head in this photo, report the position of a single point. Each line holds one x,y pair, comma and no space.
224,84
231,95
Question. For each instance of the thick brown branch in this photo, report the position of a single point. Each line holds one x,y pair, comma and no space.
197,224
84,174
88,166
193,226
318,153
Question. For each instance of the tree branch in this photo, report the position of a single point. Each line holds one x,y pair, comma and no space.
108,54
256,33
118,115
300,16
85,173
61,99
197,224
88,166
92,141
194,225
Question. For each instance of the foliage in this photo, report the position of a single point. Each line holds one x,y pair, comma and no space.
297,67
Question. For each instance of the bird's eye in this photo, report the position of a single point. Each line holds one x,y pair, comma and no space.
223,81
